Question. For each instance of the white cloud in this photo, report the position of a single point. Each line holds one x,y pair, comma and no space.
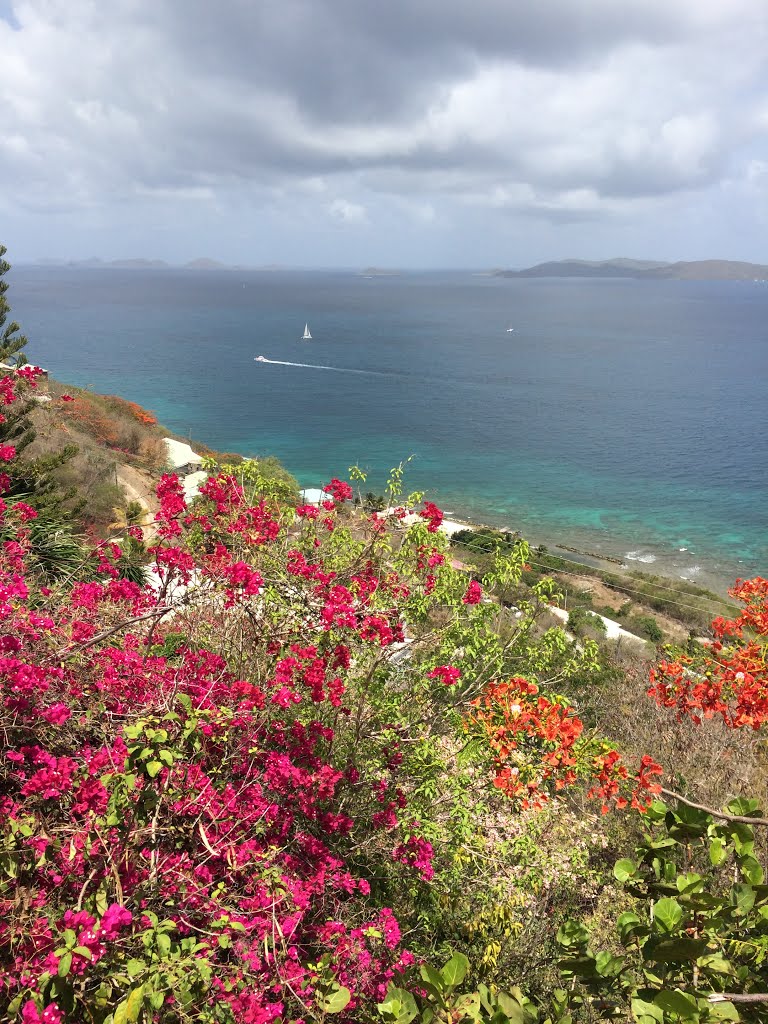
350,213
586,107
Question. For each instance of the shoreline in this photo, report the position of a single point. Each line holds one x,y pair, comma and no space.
645,563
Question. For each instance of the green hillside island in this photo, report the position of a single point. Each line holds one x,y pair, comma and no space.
270,761
647,270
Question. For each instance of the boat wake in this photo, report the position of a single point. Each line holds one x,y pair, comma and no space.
318,366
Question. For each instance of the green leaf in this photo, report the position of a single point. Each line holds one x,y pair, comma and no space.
744,807
646,1013
742,899
629,926
624,869
163,943
166,757
432,977
572,934
399,1005
607,965
724,1011
677,1002
64,965
153,768
84,952
133,1004
715,963
667,915
672,951
120,1016
717,852
751,870
455,971
134,967
511,1007
335,1001
689,883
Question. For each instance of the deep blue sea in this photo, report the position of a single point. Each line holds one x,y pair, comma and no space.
626,417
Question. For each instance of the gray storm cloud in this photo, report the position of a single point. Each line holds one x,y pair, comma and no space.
550,108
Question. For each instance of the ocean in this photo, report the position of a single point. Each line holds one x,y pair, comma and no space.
623,417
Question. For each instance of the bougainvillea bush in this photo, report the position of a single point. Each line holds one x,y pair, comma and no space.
208,780
243,790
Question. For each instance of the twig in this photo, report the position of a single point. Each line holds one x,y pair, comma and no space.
738,997
715,814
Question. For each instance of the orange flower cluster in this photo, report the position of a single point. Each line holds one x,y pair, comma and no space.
539,749
732,679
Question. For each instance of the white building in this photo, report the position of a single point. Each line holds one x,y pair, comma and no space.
181,458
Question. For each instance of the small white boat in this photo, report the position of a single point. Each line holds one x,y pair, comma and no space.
510,330
306,336
260,359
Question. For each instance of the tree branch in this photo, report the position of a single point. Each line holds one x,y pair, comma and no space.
738,997
715,814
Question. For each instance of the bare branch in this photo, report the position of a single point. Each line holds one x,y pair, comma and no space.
711,810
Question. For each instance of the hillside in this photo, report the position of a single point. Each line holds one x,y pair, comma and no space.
696,270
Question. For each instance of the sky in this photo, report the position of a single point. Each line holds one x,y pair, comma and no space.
392,133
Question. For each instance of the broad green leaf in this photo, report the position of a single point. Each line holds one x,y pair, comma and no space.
432,976
751,870
624,869
607,965
744,806
153,768
120,1016
724,1011
468,1006
455,971
715,963
674,951
335,1001
690,882
134,967
678,1002
572,934
399,1004
133,1004
64,965
717,852
646,1013
163,943
629,926
667,915
511,1007
742,899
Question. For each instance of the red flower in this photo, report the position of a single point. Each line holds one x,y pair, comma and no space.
474,593
449,675
433,514
340,490
67,398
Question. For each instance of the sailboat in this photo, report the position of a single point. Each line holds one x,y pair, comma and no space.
306,336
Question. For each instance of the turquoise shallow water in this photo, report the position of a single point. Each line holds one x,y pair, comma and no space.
623,417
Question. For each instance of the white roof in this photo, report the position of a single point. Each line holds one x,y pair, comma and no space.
192,483
180,453
314,496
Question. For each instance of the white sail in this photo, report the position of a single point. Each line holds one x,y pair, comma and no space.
306,336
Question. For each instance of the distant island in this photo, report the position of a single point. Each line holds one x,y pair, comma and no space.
650,270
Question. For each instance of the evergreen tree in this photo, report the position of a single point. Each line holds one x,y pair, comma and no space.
32,480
